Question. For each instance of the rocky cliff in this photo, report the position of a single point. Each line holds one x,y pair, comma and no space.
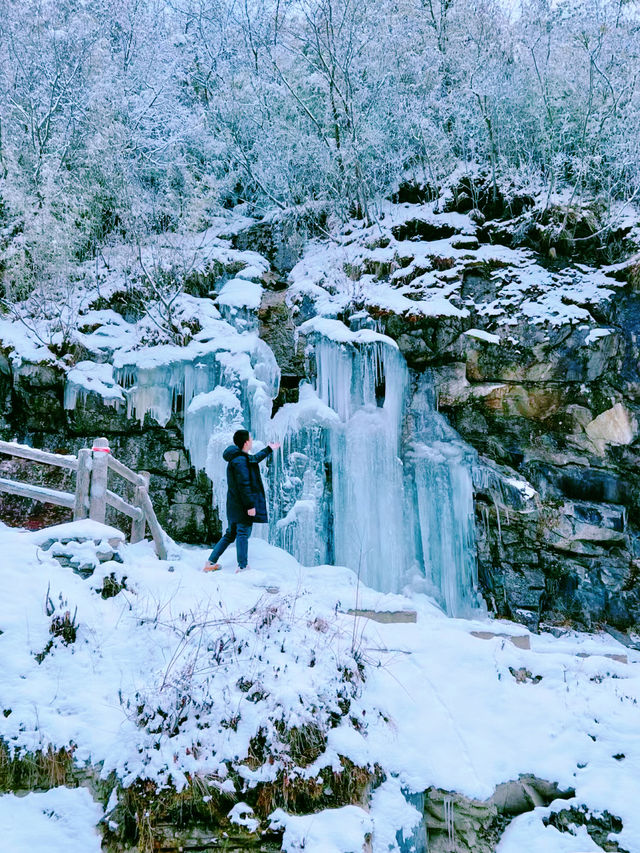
534,356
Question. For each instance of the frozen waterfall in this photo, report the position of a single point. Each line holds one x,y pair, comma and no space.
370,475
375,479
217,386
363,377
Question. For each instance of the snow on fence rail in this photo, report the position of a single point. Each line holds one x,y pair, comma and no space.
92,495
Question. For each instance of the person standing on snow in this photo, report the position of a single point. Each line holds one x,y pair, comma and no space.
246,502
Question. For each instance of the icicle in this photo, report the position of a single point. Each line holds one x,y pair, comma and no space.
164,380
449,820
497,509
86,378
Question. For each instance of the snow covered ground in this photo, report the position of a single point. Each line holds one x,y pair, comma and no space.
60,820
179,659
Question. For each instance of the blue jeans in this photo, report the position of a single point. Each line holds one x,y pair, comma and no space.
239,533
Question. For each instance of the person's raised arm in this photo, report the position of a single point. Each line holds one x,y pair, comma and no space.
266,451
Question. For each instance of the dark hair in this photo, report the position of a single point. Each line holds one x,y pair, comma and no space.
240,438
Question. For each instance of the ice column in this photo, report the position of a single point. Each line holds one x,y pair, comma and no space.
362,376
300,489
440,468
209,424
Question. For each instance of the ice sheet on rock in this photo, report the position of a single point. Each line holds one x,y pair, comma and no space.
209,424
234,390
309,410
369,518
300,493
441,489
87,377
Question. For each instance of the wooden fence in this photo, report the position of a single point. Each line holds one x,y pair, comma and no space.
92,495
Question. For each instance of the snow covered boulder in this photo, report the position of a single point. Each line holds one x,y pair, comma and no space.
78,531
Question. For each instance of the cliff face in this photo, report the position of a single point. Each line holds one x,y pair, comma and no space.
535,360
535,364
554,415
34,413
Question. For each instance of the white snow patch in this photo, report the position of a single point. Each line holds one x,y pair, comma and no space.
392,814
87,377
330,831
241,293
481,335
336,330
56,821
596,335
83,529
242,815
218,397
415,716
527,832
525,488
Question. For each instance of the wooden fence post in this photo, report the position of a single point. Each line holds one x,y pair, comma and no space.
83,478
138,526
99,474
154,526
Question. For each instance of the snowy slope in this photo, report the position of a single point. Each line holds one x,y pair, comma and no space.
412,263
180,659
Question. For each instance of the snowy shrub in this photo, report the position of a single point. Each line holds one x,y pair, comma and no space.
254,694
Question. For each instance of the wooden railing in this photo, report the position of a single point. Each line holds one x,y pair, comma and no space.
92,495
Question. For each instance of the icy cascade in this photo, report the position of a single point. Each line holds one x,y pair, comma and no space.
369,518
375,478
439,475
349,487
362,377
301,514
164,380
242,398
218,386
209,424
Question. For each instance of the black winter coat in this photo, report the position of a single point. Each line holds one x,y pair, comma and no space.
245,489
